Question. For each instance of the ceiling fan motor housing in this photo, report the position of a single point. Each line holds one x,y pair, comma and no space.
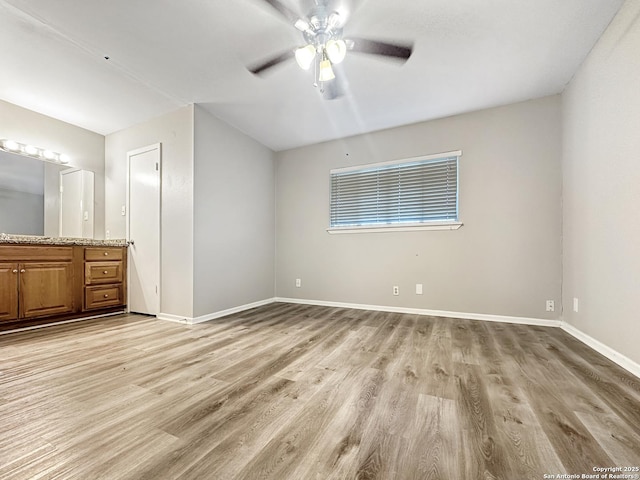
323,27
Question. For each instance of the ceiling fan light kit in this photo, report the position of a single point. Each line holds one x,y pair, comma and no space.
324,45
305,56
336,50
326,72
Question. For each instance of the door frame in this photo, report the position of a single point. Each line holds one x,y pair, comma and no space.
130,154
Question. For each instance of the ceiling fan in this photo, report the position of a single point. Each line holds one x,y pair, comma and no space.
324,46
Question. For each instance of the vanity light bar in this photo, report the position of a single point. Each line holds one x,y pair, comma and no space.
12,146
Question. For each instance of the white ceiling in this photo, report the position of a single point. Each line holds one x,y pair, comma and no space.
163,54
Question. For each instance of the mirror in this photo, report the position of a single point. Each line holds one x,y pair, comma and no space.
31,202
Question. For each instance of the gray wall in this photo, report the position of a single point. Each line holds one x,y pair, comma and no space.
234,212
601,188
505,260
175,132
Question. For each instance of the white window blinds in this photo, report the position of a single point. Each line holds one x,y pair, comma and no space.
413,191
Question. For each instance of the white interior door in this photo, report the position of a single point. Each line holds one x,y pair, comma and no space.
144,229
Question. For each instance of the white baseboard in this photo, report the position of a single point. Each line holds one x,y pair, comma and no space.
600,347
213,316
62,322
608,352
436,313
174,318
229,311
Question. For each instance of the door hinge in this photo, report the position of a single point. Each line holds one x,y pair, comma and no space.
157,166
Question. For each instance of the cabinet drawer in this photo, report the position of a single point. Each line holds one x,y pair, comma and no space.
103,296
102,253
96,273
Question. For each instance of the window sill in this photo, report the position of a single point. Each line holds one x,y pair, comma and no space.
396,228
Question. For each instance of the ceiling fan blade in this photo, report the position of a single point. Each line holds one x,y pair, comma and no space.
283,57
285,11
361,45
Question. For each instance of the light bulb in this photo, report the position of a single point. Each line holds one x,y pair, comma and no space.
49,155
302,25
30,150
64,158
336,50
11,145
305,56
326,72
335,20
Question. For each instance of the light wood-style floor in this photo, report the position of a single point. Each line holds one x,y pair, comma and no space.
305,392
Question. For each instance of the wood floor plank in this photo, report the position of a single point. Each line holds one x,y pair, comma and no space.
245,437
620,396
435,360
552,392
481,456
464,348
520,434
291,391
430,439
284,453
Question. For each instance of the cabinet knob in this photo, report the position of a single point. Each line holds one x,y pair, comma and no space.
106,296
106,254
15,271
105,272
22,271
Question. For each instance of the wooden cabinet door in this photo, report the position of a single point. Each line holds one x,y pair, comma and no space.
8,291
45,289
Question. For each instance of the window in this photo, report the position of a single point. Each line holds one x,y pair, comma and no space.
409,194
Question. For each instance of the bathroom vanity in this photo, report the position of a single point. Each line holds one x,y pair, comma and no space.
46,280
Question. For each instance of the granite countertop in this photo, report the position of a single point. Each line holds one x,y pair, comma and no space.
6,238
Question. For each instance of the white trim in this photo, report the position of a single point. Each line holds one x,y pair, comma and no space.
621,360
610,353
436,313
62,322
435,156
230,311
174,318
213,316
411,227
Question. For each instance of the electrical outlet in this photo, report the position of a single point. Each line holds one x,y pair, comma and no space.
108,234
123,210
396,290
551,306
298,282
418,289
575,304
